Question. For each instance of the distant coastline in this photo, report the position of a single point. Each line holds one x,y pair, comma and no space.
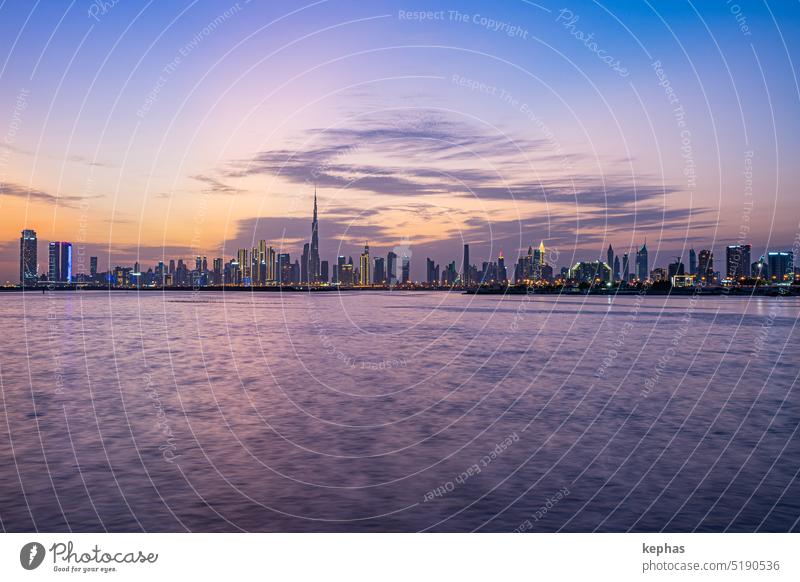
758,291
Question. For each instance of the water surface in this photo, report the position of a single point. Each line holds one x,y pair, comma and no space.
378,411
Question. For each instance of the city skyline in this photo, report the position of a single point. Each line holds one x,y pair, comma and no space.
183,153
264,264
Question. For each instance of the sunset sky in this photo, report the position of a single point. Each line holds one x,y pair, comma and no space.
159,130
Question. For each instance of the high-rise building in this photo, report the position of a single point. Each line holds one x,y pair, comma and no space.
337,269
610,261
692,262
93,267
642,264
28,260
466,268
182,273
759,269
323,272
346,275
244,267
431,271
617,273
364,267
379,271
313,251
272,266
260,275
391,268
53,262
406,269
305,260
60,262
781,266
255,266
626,268
217,276
450,274
705,266
737,261
284,268
502,274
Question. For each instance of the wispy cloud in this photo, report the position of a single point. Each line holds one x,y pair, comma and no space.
35,195
436,156
215,186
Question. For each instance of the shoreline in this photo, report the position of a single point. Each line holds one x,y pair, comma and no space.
515,291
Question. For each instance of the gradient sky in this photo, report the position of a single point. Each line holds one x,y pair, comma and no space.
166,130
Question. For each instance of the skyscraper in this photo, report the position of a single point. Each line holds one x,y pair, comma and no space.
254,266
759,269
60,262
626,268
610,262
737,261
617,273
217,277
502,274
284,274
341,261
642,271
450,274
28,258
431,271
379,271
705,266
406,268
295,277
391,268
93,267
364,267
465,269
313,251
261,278
305,263
527,264
323,272
781,266
692,262
272,266
53,263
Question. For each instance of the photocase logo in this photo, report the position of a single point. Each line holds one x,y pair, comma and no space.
31,555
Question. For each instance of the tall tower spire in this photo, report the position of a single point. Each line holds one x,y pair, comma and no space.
313,255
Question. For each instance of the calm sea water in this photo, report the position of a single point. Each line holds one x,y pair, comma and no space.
398,412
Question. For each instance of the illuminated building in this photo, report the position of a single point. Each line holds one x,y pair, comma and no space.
28,266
